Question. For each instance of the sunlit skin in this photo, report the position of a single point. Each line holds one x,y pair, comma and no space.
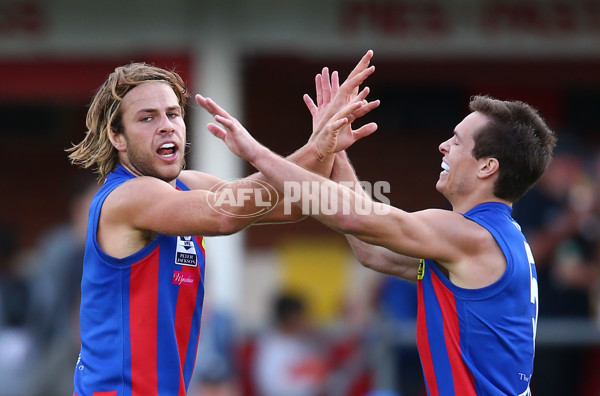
467,252
151,118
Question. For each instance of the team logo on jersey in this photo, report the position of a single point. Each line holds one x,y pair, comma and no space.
421,270
185,254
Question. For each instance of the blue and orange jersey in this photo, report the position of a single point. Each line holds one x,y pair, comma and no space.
140,315
480,341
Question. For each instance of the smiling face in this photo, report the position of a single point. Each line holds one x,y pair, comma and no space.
153,139
460,172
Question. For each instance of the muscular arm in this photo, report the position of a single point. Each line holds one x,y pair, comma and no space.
464,248
374,257
144,206
304,157
384,260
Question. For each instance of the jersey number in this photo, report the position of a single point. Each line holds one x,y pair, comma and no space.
534,300
534,290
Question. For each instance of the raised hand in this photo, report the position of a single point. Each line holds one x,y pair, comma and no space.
327,142
232,132
242,144
331,97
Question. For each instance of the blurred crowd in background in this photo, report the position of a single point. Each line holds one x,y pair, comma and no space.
291,354
259,57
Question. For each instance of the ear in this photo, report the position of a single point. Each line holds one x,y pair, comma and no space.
117,140
488,167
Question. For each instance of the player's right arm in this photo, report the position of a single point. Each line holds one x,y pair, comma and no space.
144,206
374,257
383,260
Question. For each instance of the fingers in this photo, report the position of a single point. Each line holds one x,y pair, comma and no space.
319,89
346,111
211,106
201,100
227,123
351,84
364,130
214,109
364,109
217,131
335,83
365,106
362,95
310,104
326,85
361,65
336,125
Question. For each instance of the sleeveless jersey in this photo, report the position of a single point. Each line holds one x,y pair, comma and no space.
140,315
480,341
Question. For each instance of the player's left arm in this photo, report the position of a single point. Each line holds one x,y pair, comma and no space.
377,258
409,234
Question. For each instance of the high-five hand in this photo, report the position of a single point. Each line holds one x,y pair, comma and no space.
232,132
331,97
242,144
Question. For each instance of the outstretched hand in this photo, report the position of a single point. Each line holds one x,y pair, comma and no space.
333,136
231,131
331,97
242,144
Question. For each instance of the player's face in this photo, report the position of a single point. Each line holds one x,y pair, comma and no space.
459,166
153,142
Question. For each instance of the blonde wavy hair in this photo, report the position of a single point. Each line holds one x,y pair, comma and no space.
104,114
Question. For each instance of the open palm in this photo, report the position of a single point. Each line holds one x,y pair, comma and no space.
333,99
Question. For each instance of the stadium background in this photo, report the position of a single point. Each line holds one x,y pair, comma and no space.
257,59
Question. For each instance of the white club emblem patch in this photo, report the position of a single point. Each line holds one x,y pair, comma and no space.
185,254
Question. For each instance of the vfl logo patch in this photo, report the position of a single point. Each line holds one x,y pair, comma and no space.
421,270
185,254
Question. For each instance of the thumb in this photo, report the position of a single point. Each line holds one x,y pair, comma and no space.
364,130
336,125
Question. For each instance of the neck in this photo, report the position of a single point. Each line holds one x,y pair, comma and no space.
464,205
136,173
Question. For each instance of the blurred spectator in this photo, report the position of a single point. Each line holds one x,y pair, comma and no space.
17,351
13,289
288,360
396,303
558,217
215,373
55,267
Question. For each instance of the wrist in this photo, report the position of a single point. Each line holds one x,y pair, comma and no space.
260,154
316,152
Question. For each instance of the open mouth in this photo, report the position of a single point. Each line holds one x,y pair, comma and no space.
445,167
167,150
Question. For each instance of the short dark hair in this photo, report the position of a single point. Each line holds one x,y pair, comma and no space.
518,138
